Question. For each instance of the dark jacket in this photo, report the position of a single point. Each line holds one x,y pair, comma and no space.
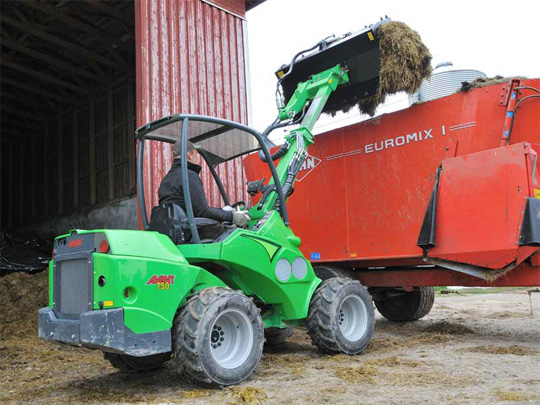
171,191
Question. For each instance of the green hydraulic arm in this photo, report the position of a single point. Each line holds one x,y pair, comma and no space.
313,93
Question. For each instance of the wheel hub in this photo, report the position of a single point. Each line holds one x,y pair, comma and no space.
353,318
231,338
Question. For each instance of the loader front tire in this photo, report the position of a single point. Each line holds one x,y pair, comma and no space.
341,317
407,306
125,362
218,337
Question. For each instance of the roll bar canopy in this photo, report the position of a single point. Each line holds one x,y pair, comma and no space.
221,140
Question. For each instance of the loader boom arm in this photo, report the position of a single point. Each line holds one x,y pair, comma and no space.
313,93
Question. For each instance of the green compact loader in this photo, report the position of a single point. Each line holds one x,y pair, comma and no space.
147,297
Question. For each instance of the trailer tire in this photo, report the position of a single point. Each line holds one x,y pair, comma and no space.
326,272
277,336
410,306
341,317
125,362
218,337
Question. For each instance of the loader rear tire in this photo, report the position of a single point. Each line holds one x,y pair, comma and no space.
408,306
277,336
341,317
125,362
218,337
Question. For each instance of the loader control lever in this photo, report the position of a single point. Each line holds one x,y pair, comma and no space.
253,187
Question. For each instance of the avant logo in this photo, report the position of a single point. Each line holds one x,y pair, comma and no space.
309,165
75,243
160,279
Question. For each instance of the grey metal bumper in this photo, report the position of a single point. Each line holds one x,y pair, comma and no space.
103,330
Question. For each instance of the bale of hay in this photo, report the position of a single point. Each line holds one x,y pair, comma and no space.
21,297
404,62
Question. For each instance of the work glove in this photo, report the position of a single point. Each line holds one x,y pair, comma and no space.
228,208
241,218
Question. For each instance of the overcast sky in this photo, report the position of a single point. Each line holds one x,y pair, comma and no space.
495,37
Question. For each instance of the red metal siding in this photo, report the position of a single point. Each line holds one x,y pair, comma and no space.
190,59
237,7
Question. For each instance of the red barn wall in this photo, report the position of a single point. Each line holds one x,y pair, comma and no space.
190,59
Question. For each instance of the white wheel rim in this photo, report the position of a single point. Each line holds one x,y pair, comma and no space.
353,318
231,338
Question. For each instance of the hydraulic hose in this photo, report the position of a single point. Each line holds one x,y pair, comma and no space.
515,111
279,96
276,155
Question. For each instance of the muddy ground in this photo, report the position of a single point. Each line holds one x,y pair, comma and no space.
472,348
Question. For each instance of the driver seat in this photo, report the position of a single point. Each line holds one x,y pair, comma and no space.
171,220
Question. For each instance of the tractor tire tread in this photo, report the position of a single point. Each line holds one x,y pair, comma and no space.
187,338
418,305
319,323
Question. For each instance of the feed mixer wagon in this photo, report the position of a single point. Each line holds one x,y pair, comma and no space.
445,192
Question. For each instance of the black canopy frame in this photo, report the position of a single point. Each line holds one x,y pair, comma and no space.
148,131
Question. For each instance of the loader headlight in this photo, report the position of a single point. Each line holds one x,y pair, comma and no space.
283,270
299,268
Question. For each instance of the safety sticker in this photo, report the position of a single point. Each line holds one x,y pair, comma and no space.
370,36
315,256
536,193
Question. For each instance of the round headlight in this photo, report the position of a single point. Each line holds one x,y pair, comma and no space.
299,268
283,270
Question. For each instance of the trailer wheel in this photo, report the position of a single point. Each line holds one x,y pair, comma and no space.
277,336
218,337
125,362
326,272
341,317
407,306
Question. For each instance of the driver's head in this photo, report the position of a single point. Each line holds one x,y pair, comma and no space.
192,152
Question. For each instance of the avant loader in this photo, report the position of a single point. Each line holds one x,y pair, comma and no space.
144,297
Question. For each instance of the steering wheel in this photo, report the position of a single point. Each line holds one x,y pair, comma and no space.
238,203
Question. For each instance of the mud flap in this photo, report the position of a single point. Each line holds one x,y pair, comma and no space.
530,228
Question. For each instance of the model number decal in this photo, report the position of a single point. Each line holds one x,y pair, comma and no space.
161,282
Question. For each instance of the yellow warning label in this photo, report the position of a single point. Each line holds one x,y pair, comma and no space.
108,303
280,74
370,36
536,193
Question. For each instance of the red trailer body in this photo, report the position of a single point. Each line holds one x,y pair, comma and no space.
367,189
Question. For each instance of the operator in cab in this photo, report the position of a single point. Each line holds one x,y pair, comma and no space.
171,191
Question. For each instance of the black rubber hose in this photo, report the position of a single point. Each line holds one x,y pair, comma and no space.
514,115
291,66
276,155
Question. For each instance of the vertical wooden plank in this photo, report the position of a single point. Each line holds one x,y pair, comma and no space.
11,202
47,190
92,130
33,179
110,133
60,158
22,195
131,135
75,159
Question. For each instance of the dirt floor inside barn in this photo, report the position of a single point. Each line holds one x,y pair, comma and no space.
472,348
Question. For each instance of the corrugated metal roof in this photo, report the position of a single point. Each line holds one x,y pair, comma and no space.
190,59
